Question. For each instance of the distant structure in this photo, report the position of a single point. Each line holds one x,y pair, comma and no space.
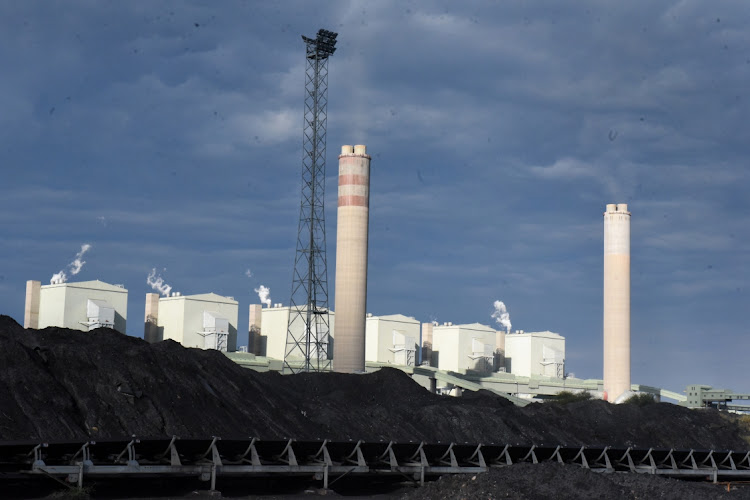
529,354
205,321
616,301
308,328
255,323
462,348
151,332
31,311
392,339
500,350
426,358
85,305
352,227
272,339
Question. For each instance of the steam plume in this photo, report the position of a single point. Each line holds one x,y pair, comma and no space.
156,282
74,267
501,315
77,264
59,277
264,293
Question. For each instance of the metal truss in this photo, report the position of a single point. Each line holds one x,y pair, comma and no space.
308,327
213,458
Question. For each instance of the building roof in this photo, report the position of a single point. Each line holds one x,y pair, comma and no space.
400,318
468,326
91,285
545,334
287,308
204,297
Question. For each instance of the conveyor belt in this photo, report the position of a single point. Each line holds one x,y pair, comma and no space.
210,459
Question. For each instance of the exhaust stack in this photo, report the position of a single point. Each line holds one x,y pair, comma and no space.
616,301
31,311
351,259
151,323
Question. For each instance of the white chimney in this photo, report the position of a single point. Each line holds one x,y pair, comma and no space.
616,301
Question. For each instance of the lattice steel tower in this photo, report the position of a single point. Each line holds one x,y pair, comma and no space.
308,327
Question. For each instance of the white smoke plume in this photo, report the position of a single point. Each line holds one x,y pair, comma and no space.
156,282
77,264
58,277
264,293
501,315
74,267
249,273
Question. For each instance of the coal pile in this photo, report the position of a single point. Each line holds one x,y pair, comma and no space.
552,480
60,385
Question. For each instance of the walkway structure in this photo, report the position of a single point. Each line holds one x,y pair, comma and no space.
703,396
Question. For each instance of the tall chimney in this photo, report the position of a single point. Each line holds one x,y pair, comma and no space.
31,311
427,343
351,259
151,324
616,301
254,331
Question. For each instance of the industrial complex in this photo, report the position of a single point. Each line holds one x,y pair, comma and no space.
451,357
206,321
83,306
181,404
307,335
444,357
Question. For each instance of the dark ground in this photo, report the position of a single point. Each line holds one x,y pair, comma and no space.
59,385
552,480
523,481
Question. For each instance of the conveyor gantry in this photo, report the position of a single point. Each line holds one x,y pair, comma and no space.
211,459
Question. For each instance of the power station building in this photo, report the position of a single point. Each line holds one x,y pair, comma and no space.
616,324
461,348
272,335
85,305
500,350
205,321
392,339
426,356
535,353
254,331
352,225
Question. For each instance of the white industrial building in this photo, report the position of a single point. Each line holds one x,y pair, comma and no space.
273,332
391,339
83,306
535,353
205,321
459,348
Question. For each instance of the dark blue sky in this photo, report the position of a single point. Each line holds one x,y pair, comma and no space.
169,134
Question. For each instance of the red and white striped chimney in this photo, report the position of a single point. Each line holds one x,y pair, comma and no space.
351,259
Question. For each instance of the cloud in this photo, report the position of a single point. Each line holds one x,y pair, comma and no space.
498,132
